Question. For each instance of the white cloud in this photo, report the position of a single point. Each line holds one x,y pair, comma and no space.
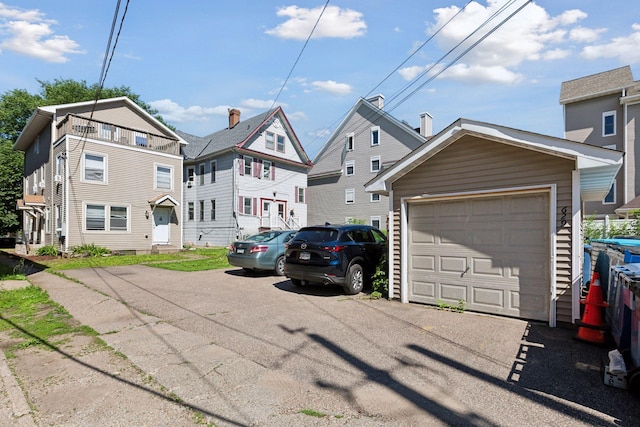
259,104
28,33
529,35
585,35
332,87
175,113
624,48
297,115
335,23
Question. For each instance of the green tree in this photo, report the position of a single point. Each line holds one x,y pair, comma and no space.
16,107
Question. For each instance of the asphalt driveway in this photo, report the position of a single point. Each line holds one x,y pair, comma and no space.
254,350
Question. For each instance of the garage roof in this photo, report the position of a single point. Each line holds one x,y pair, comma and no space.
598,166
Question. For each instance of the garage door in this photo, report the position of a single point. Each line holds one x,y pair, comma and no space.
492,252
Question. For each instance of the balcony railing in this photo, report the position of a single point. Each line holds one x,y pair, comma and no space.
95,129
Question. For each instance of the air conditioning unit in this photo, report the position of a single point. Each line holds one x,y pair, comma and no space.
41,184
57,178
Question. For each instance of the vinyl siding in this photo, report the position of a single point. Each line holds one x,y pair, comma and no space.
473,164
632,156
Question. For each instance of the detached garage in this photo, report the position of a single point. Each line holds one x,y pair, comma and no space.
491,216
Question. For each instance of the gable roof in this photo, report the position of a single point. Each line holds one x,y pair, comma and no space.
326,167
600,84
237,136
598,166
42,116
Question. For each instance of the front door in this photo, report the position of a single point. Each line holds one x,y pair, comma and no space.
161,225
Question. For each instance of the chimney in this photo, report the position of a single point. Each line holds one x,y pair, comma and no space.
234,117
426,125
377,100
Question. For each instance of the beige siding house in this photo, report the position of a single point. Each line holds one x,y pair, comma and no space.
491,216
106,173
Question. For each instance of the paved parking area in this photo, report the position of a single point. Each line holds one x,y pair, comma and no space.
254,350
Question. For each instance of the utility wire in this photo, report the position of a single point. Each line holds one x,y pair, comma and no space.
299,55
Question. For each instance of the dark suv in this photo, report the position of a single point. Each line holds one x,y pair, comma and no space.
344,255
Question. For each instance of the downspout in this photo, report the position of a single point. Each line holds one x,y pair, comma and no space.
625,148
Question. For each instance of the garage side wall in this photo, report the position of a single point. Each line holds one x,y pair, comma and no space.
474,164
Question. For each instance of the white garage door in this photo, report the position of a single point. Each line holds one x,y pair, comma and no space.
492,252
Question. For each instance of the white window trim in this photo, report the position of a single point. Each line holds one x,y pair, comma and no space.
346,167
301,192
371,160
376,218
191,177
265,168
353,141
348,191
374,129
604,116
155,176
273,140
107,217
284,143
244,165
372,198
614,187
104,169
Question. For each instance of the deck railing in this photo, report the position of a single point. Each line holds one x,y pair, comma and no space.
76,125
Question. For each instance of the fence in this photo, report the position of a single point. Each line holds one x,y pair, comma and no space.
608,228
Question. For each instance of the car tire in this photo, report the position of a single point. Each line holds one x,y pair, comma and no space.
279,269
355,279
296,282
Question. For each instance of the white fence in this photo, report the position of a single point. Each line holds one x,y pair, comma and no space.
608,228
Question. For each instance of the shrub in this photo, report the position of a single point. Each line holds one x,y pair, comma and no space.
48,250
380,279
90,250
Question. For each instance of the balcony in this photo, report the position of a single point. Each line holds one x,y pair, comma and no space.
95,129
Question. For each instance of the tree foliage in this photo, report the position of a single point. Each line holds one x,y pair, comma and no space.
16,107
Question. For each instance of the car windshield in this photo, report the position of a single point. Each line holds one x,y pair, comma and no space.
317,235
263,237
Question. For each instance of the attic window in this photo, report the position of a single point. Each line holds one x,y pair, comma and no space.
280,143
349,142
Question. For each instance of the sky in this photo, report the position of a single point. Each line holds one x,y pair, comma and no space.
497,61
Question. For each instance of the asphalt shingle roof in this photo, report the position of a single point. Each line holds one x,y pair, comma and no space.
601,83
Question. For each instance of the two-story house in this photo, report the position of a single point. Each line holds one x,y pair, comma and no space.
604,110
104,172
248,177
367,140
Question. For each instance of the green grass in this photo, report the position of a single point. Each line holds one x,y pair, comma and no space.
33,318
210,259
312,413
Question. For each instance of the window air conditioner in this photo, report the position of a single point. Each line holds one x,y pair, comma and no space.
57,178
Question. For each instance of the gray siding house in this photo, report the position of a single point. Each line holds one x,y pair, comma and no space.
367,140
103,172
604,110
248,177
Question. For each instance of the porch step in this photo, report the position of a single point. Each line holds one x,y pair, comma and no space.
164,249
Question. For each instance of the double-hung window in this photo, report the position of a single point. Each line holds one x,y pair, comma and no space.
191,211
349,196
201,210
248,165
280,143
609,123
96,216
213,210
214,169
375,164
266,169
94,168
269,140
118,217
350,168
164,177
201,173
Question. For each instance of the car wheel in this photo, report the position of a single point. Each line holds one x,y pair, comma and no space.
296,282
279,269
355,280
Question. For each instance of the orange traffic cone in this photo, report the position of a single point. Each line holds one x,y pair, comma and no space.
591,327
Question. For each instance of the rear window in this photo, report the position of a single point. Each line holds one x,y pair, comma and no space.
317,234
263,237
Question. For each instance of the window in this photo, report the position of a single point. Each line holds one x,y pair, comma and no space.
201,173
94,167
191,211
248,164
118,218
350,168
95,217
375,221
609,123
375,164
280,143
59,165
610,198
164,177
213,210
349,196
247,206
191,174
269,141
201,210
141,139
214,169
58,217
375,136
266,169
375,197
47,220
349,142
300,192
108,131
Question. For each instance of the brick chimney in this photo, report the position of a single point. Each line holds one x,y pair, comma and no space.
234,117
426,125
377,100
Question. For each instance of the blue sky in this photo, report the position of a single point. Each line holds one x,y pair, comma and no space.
195,59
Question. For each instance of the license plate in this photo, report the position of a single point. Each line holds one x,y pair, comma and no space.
304,256
240,250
